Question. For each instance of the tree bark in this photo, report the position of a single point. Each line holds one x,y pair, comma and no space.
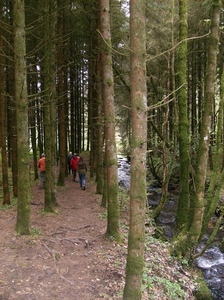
5,181
23,209
109,117
63,170
203,148
138,197
11,112
187,240
50,105
183,199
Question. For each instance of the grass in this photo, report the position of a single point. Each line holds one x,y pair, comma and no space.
7,207
35,231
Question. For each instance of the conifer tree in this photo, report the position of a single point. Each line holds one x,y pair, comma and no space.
5,181
109,122
183,202
23,209
136,237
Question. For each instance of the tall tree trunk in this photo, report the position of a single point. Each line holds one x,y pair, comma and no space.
170,119
188,240
5,181
53,101
138,198
23,209
33,90
91,106
63,170
109,115
212,196
50,104
183,201
203,148
11,113
100,132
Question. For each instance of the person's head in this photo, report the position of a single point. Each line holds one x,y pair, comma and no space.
81,161
75,154
70,153
42,155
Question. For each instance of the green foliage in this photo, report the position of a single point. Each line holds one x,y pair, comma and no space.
35,231
155,164
183,261
103,216
110,82
171,289
162,274
123,199
202,293
6,207
118,294
46,212
57,256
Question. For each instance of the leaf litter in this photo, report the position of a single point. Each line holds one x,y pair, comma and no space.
68,257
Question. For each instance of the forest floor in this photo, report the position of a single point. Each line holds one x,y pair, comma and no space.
68,257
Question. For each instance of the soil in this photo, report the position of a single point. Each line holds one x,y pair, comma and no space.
67,255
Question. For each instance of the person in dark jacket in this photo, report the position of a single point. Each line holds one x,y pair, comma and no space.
74,165
82,170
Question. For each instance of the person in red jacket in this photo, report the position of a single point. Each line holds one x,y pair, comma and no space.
74,165
41,166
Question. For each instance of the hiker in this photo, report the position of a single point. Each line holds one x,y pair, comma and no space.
74,165
82,170
69,160
41,166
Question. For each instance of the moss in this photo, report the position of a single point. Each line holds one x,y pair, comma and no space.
135,264
179,245
110,83
132,294
203,292
136,261
222,246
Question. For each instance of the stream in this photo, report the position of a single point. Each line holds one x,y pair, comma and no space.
211,263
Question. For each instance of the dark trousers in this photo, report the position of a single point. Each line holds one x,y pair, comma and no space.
42,178
69,169
74,174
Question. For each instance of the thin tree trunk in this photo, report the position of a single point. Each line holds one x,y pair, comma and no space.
63,170
11,114
100,132
32,119
50,105
5,180
138,198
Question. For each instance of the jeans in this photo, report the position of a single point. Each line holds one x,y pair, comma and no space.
82,180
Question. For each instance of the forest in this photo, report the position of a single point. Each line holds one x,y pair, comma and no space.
142,79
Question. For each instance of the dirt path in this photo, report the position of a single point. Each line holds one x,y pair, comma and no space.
68,257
